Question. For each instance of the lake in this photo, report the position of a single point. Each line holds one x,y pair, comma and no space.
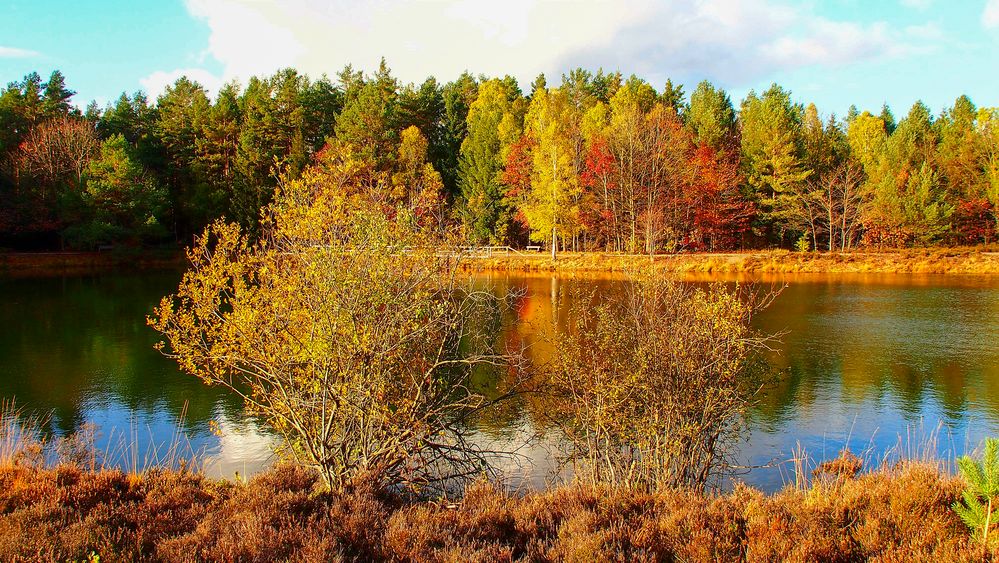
882,363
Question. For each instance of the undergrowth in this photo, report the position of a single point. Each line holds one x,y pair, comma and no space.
69,513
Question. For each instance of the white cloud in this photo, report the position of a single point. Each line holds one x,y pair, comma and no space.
929,32
16,53
254,36
830,43
157,82
417,38
737,42
990,17
732,41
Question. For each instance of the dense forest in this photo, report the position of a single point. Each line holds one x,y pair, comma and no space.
599,162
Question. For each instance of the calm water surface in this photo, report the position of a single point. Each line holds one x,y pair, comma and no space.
869,361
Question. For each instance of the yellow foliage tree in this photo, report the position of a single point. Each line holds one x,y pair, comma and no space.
551,206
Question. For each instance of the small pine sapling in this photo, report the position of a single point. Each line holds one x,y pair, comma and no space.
981,495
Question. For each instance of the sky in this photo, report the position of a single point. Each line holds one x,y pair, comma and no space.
831,52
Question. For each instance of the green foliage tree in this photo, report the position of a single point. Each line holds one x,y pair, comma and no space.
182,111
457,97
27,103
711,116
271,140
56,97
121,202
321,102
957,155
988,127
586,89
888,118
908,199
217,149
673,98
367,122
772,158
426,109
486,213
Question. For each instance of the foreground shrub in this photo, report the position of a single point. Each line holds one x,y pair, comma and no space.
344,329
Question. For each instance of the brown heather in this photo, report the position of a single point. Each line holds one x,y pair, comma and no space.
69,514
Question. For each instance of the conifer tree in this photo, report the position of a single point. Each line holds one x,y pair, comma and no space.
486,215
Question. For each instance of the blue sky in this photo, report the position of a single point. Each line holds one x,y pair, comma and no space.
832,52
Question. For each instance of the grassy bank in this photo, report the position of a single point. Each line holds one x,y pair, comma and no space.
58,263
66,513
978,261
924,261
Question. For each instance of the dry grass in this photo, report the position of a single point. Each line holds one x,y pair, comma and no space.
976,260
65,513
963,260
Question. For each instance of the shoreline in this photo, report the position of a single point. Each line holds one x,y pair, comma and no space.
956,261
13,264
960,261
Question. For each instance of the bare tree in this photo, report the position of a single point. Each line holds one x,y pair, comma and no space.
56,151
839,202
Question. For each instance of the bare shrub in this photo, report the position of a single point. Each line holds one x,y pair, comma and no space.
651,388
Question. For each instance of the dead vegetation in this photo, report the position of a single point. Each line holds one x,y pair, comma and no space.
66,513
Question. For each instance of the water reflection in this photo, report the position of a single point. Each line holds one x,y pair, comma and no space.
77,350
863,358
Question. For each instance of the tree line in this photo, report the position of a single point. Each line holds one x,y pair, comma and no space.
598,162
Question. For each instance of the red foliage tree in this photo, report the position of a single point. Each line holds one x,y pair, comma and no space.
516,176
721,213
599,216
974,222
